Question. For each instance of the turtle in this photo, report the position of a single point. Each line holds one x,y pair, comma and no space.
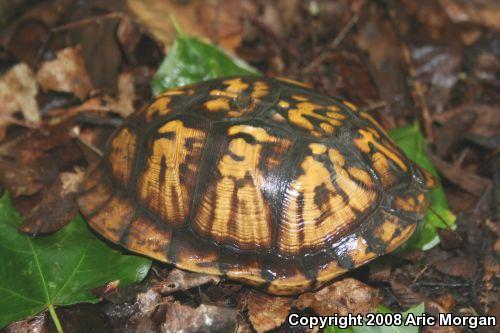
260,180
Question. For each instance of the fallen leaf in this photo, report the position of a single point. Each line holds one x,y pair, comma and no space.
486,13
464,266
405,296
179,280
341,297
123,104
18,90
66,73
191,60
56,208
148,301
468,181
36,324
60,269
204,318
376,35
101,52
216,21
267,312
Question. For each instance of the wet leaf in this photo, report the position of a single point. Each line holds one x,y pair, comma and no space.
66,73
342,297
204,318
267,312
18,90
56,270
417,310
178,280
191,60
215,20
412,142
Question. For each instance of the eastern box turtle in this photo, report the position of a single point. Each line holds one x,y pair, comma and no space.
260,180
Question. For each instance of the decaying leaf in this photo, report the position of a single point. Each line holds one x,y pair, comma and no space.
66,73
212,20
470,182
18,89
461,266
204,318
267,312
57,207
342,297
480,12
178,280
123,104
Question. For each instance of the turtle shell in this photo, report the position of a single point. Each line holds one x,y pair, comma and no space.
260,180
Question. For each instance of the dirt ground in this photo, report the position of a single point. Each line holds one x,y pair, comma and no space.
85,65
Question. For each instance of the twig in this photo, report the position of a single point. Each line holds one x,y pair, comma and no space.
345,30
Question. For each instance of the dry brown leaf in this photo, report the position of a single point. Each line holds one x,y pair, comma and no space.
216,21
124,103
486,13
178,280
461,266
267,312
18,90
468,181
205,318
57,206
342,297
66,73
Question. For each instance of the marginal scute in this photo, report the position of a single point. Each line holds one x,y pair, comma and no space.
146,237
95,192
166,184
113,218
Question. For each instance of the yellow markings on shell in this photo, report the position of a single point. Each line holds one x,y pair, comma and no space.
260,89
216,105
350,105
235,85
359,252
303,189
244,204
122,155
303,215
306,109
167,194
159,107
284,104
361,175
408,204
381,166
317,148
336,157
300,98
326,127
367,138
297,83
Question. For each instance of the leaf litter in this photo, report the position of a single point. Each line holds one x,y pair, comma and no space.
437,60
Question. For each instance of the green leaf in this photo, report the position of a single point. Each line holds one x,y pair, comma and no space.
191,60
412,142
60,269
417,310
